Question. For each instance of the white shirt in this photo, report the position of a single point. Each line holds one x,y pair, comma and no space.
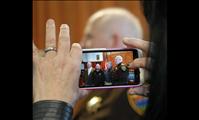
89,70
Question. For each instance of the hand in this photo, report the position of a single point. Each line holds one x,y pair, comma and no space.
56,73
142,62
142,45
141,90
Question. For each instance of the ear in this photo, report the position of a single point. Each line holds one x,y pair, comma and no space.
115,40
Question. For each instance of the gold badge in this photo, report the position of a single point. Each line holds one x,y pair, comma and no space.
94,104
123,68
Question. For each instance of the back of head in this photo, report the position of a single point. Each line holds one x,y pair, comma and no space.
117,19
97,67
109,64
115,22
118,59
89,64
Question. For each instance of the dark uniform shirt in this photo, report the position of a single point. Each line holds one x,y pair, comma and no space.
108,75
98,78
120,74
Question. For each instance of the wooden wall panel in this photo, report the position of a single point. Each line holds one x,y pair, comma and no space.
75,14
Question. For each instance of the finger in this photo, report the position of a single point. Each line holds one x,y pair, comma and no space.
137,43
140,63
64,40
76,52
50,36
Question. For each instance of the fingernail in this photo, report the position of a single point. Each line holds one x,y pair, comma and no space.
77,45
126,40
64,30
64,26
50,23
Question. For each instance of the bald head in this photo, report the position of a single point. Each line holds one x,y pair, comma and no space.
97,67
89,64
118,59
108,65
109,26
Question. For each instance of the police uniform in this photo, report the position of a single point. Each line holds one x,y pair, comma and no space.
120,74
109,104
108,75
98,78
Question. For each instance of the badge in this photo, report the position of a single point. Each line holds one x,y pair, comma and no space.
138,103
123,68
94,104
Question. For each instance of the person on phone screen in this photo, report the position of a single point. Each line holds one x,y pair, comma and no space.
98,76
88,73
108,73
120,72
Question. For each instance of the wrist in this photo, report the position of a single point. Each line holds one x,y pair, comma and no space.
52,109
70,101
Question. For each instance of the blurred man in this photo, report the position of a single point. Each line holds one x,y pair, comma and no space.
120,72
106,29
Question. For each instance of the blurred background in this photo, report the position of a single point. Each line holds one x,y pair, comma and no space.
76,14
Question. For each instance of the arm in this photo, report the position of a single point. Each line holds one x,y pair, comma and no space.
55,76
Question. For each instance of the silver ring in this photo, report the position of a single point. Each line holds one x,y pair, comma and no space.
50,49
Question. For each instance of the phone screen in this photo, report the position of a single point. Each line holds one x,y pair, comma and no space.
108,68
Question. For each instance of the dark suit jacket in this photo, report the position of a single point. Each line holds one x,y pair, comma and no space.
88,78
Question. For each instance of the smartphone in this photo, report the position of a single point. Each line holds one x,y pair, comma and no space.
108,68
